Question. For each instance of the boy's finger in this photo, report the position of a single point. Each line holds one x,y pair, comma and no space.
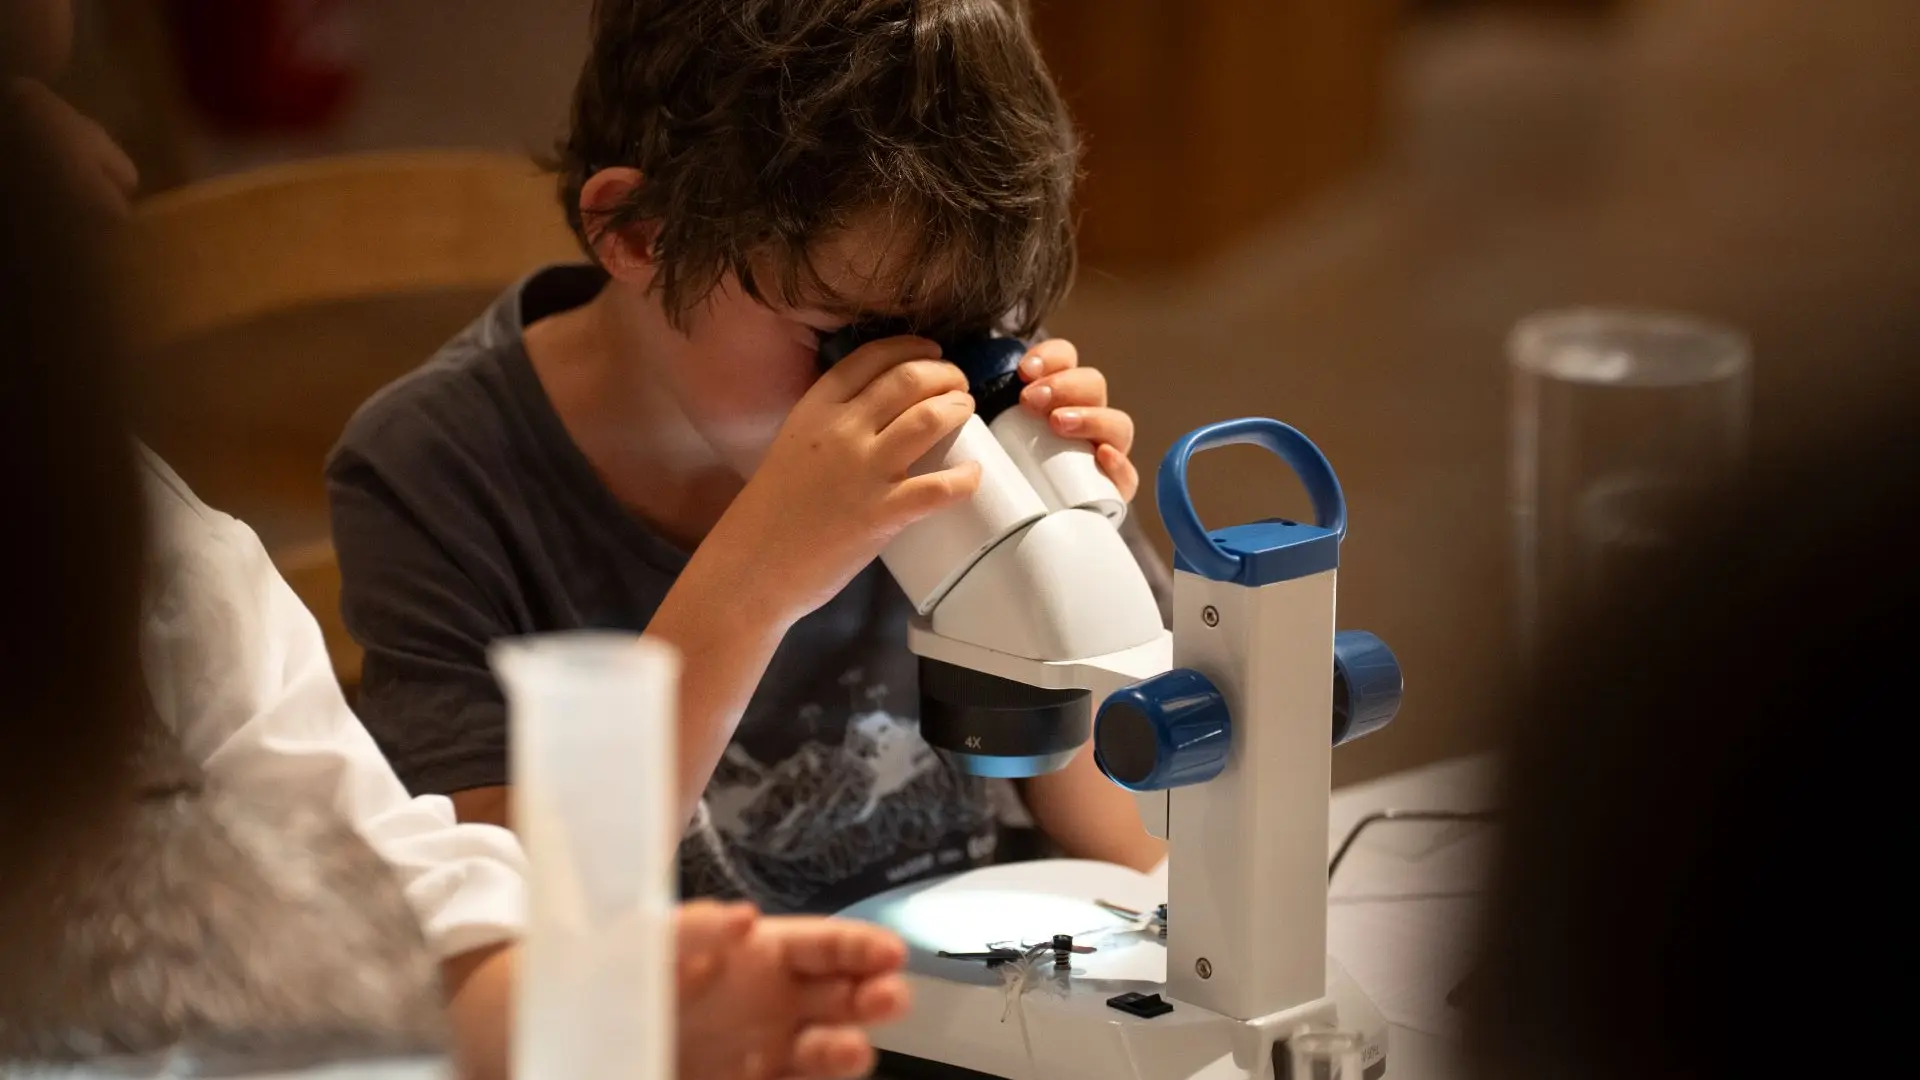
703,932
832,1053
909,438
1052,355
695,974
1109,426
826,1001
1119,469
877,1001
1084,387
903,386
918,496
830,947
846,379
852,1000
711,924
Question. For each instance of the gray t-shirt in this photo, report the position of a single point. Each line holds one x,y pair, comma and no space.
463,512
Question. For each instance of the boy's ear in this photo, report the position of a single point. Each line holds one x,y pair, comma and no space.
623,250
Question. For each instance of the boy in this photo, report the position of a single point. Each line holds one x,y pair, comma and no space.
644,442
254,742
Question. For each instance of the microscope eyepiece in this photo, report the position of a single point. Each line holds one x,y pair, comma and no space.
990,361
836,346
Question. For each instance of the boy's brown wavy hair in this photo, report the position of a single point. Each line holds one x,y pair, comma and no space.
764,127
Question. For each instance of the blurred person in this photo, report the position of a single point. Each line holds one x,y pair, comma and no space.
71,594
245,874
35,43
644,441
1701,841
161,911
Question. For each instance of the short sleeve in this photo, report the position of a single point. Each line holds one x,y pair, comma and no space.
237,667
411,599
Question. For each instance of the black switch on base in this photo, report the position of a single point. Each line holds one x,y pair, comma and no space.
1144,1006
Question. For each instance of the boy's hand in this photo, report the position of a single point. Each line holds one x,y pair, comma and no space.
1074,401
769,998
704,935
835,486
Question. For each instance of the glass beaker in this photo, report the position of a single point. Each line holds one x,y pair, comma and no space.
592,717
1326,1055
1622,421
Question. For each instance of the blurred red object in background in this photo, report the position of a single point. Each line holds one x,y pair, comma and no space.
267,67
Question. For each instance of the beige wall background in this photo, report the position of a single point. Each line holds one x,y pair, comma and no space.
1754,160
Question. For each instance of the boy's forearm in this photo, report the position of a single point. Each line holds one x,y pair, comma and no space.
725,643
725,638
1089,817
479,988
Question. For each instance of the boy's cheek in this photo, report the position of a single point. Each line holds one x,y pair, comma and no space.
748,397
741,376
742,419
745,439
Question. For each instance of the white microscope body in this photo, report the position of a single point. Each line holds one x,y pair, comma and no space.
1222,727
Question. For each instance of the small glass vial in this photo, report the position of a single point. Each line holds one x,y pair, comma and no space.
1325,1055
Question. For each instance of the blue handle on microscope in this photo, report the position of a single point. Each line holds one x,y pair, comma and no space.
1262,552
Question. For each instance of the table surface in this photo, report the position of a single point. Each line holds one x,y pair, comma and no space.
1402,911
1400,920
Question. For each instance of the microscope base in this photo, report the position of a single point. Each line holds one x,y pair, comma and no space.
968,1023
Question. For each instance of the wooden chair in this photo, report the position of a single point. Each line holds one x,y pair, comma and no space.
264,307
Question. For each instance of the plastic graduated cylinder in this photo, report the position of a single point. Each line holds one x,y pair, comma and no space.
1027,472
593,754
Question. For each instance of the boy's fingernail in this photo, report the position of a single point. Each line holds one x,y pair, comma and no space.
1038,396
1031,365
1069,419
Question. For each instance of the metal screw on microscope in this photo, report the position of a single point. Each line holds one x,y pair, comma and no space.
1203,968
1210,615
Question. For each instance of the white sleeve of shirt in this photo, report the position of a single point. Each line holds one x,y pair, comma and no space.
238,668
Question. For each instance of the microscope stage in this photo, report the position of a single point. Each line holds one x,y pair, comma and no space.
969,1021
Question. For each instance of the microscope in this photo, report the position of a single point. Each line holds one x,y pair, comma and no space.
1036,632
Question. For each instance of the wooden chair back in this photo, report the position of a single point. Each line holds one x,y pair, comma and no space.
264,307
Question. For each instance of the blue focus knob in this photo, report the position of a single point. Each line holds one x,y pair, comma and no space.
1366,685
1165,732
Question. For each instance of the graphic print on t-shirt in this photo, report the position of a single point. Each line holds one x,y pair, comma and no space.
861,805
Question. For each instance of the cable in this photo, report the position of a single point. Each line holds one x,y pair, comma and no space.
1360,826
1459,993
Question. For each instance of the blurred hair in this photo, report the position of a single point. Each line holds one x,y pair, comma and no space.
1699,850
764,127
70,685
